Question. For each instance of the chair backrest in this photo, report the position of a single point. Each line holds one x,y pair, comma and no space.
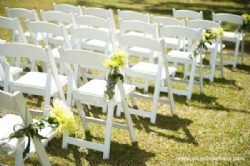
92,21
68,8
163,20
81,36
49,32
15,102
58,17
14,25
132,15
147,29
227,17
128,42
187,14
85,59
100,12
32,52
203,24
191,35
22,13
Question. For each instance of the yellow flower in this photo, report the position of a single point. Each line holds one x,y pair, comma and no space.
220,31
215,32
61,114
118,60
246,17
110,63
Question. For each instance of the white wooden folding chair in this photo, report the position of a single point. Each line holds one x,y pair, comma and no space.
22,14
232,36
53,35
58,17
164,20
133,15
157,73
68,8
140,28
48,83
185,57
92,93
93,39
16,103
100,12
12,24
187,14
213,49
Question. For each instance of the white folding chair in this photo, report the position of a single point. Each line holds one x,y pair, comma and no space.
140,28
48,84
231,35
53,35
15,102
187,15
12,24
68,8
91,93
171,42
93,39
22,13
58,17
100,12
157,73
213,49
185,57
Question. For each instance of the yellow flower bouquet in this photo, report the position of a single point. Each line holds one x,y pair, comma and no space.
207,37
114,63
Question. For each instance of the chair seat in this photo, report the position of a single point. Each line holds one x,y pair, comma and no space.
144,52
231,36
181,57
15,70
95,89
97,44
9,121
148,71
174,42
211,47
35,83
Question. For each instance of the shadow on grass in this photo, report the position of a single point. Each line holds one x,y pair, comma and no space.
172,123
77,155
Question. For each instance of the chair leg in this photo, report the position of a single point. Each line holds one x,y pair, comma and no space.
237,44
108,131
155,103
242,51
212,64
81,112
221,60
191,81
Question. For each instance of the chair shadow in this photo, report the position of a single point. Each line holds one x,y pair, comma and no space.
77,154
173,123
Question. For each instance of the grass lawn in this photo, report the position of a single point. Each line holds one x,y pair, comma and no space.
212,128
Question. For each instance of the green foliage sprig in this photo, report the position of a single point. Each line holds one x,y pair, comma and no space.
246,23
60,118
208,36
115,63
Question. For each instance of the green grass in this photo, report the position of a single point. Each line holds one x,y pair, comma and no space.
213,125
